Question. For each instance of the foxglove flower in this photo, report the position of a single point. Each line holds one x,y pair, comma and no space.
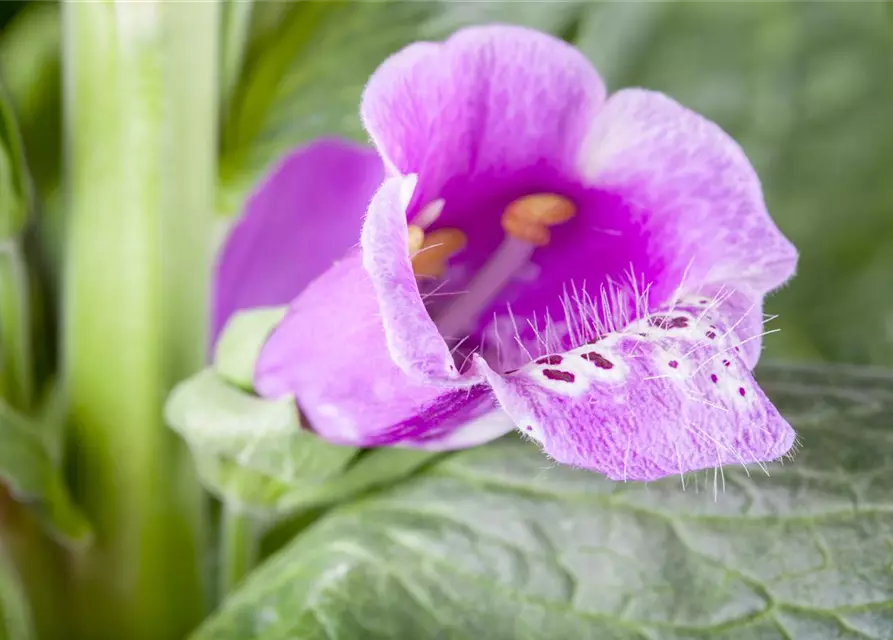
534,255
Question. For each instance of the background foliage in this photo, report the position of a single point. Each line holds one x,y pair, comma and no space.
491,543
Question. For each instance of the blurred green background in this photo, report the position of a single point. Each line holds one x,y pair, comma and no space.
805,87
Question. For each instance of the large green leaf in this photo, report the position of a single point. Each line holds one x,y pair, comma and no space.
497,543
28,468
807,88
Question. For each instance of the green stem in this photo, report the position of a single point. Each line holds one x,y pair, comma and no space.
239,546
15,328
140,101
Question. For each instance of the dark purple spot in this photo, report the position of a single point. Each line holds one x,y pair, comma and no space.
742,392
703,301
598,360
555,374
711,335
529,428
666,322
714,378
673,364
510,372
550,360
727,363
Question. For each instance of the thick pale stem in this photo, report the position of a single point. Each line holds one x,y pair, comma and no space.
140,130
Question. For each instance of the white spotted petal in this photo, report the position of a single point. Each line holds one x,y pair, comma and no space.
667,394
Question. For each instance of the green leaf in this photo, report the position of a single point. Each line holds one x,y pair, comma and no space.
249,450
27,467
307,63
807,89
275,499
16,206
15,187
30,59
236,21
29,67
15,616
240,344
497,543
16,367
254,454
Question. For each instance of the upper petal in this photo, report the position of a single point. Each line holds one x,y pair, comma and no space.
691,188
489,100
668,394
303,217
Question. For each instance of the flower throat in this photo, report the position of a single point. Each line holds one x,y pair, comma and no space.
527,223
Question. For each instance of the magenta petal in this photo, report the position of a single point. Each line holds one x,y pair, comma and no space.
303,217
362,358
666,395
331,355
413,340
489,101
485,423
744,315
692,190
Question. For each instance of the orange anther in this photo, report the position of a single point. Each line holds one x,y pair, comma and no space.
530,217
416,238
437,247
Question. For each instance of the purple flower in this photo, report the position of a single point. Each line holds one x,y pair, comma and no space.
534,255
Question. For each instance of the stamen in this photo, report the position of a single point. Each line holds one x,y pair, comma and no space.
530,217
416,239
526,222
429,214
430,252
